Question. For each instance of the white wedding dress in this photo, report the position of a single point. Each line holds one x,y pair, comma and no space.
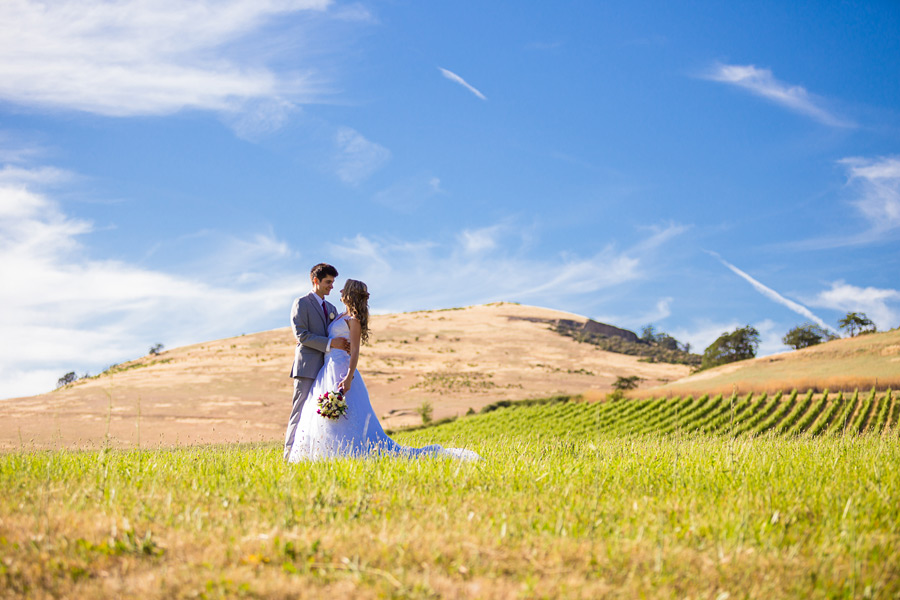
358,432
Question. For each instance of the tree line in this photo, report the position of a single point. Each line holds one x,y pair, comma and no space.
743,342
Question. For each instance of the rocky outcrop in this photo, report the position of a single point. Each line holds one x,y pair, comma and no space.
590,327
596,328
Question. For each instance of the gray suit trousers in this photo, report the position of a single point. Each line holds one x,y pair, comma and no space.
302,385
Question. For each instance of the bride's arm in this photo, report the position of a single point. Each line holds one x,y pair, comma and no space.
355,332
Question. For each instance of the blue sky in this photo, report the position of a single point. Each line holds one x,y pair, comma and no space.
170,170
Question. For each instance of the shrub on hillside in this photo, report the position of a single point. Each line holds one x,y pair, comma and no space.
426,411
627,383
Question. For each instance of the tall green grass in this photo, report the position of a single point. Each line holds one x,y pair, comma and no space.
559,507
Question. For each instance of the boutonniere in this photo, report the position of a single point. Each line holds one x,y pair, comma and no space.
331,316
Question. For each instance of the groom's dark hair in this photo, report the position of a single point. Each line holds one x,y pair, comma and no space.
321,271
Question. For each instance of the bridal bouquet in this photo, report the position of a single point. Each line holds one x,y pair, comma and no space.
332,405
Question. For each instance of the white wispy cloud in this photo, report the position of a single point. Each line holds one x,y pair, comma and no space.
772,294
476,241
355,11
479,265
63,310
880,305
877,181
662,310
17,175
763,83
873,185
133,57
659,311
258,118
873,190
14,151
409,194
357,158
457,79
660,234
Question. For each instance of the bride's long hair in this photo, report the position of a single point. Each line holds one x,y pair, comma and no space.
355,296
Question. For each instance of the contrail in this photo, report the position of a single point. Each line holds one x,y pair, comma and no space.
763,83
454,77
772,294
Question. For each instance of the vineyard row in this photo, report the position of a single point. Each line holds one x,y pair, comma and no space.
791,414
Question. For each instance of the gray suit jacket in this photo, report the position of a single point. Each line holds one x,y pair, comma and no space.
311,330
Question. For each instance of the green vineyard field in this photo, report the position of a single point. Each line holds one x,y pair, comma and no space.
788,414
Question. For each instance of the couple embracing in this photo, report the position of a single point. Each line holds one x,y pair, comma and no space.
328,344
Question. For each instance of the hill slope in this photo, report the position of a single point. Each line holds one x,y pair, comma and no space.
844,364
238,389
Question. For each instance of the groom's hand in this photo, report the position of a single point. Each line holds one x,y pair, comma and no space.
341,344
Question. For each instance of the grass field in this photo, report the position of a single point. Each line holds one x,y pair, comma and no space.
651,498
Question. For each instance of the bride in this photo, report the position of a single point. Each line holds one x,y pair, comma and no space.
357,432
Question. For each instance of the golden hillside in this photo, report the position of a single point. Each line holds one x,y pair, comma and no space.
238,389
844,364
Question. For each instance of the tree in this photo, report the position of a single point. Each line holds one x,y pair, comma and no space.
666,341
740,344
156,349
857,323
627,383
661,339
66,379
806,335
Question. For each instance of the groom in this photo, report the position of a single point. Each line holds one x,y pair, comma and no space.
310,317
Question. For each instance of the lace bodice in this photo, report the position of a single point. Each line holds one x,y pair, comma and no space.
339,328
